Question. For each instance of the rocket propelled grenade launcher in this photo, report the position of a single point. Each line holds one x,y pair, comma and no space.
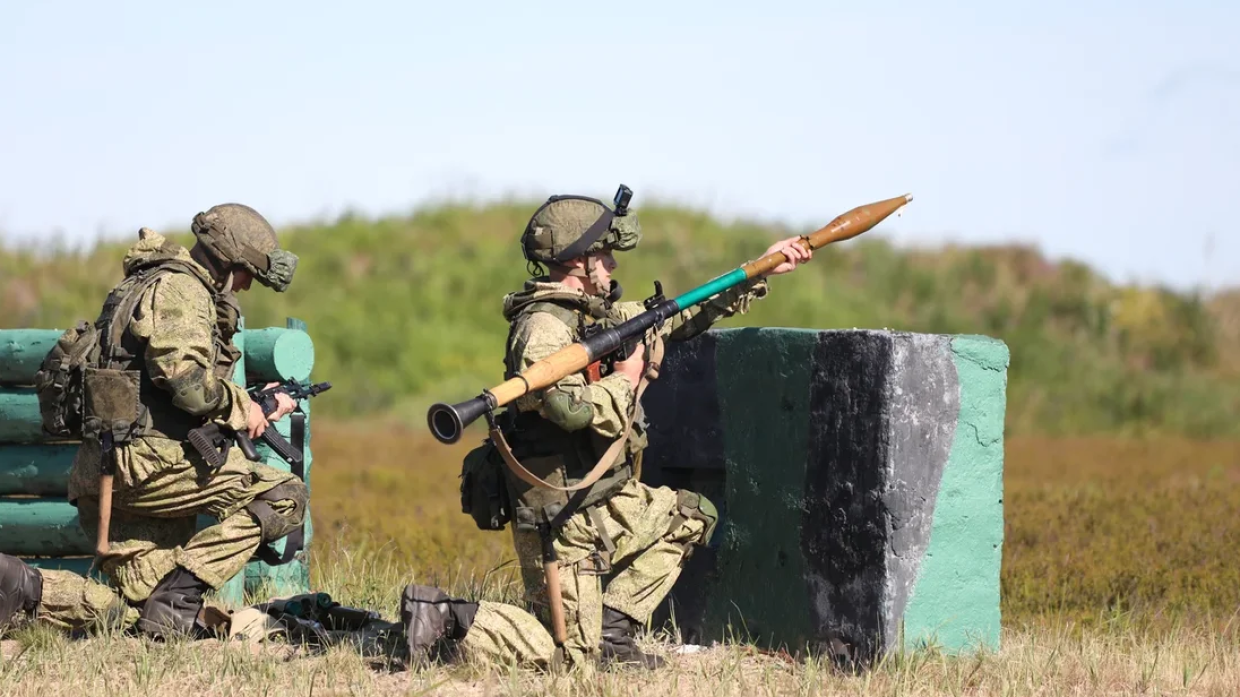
447,421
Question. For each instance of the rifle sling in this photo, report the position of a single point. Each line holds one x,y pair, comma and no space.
604,463
294,541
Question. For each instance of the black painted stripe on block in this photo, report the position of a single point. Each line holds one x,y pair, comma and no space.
682,411
845,526
686,451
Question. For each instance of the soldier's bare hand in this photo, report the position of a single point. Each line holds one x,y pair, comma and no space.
284,405
634,366
793,251
256,423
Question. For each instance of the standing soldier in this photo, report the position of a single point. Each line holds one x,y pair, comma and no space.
165,366
636,536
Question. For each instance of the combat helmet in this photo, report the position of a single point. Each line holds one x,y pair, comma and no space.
569,226
237,236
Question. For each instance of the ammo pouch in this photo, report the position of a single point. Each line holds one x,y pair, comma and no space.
484,494
546,458
556,471
111,404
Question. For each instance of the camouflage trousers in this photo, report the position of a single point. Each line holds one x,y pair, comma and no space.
650,539
160,487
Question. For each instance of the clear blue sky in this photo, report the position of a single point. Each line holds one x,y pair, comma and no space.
1105,131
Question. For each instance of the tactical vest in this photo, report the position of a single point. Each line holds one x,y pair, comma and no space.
148,410
560,457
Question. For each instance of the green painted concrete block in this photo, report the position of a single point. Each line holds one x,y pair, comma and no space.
859,479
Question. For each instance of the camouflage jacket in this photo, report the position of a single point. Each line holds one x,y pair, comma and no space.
537,335
183,332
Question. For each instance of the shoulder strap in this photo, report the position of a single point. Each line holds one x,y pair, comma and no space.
144,278
570,317
567,315
604,463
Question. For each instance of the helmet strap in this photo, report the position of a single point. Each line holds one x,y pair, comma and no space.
222,273
600,288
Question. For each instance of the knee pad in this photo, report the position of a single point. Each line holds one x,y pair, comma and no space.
277,524
692,505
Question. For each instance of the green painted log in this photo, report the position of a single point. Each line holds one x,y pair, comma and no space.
35,470
293,577
272,353
268,353
21,352
19,416
233,591
45,527
276,353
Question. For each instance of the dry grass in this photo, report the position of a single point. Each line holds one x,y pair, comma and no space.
1094,527
1032,662
1119,579
1144,527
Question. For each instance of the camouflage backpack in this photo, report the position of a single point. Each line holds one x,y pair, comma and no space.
58,383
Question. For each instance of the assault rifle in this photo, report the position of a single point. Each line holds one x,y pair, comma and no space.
213,441
447,421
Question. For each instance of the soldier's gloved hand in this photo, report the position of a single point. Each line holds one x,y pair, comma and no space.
284,404
634,366
256,422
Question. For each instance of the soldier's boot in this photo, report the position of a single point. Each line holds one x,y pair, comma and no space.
619,645
174,606
21,589
434,623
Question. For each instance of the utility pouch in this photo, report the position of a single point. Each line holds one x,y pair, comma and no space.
484,494
111,403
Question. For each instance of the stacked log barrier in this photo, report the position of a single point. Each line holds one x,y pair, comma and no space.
38,523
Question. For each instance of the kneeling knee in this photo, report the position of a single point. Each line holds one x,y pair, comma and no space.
693,506
281,509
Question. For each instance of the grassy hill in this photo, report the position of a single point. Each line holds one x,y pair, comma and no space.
406,311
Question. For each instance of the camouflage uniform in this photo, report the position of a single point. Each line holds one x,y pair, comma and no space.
645,534
180,334
620,545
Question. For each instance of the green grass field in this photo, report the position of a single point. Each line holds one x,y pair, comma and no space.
405,311
1097,530
1118,578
